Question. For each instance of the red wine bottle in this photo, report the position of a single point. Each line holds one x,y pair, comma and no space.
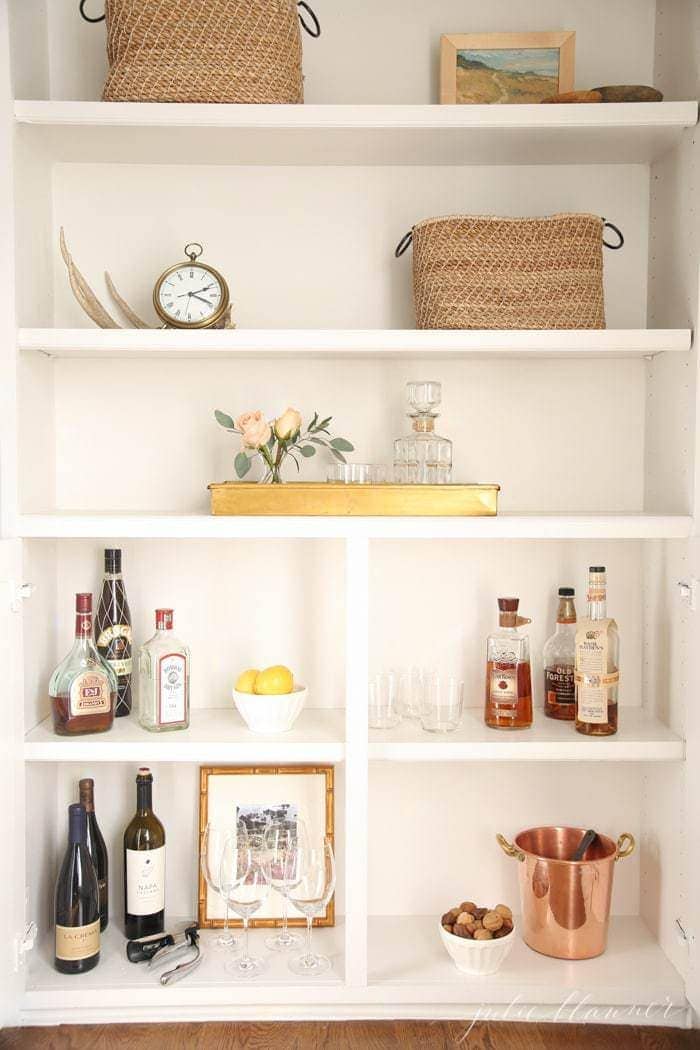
144,865
77,902
113,629
97,848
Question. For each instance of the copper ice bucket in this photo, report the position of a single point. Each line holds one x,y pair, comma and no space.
565,903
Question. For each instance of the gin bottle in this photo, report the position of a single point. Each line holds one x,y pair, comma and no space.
164,678
423,457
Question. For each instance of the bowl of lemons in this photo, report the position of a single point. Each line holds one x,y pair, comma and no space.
269,701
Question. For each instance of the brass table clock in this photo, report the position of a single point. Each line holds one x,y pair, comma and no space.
191,294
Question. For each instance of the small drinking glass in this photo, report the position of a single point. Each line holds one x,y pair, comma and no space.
383,712
357,473
245,883
213,842
311,880
280,838
442,703
410,692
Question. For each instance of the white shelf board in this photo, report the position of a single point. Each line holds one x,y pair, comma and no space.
407,958
409,973
118,985
214,735
95,343
640,738
66,525
366,134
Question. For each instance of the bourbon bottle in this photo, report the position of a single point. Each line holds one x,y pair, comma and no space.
558,658
83,688
508,675
597,663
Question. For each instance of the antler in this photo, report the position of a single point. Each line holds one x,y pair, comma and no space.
130,315
84,293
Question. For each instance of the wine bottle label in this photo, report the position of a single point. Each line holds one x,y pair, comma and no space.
74,943
592,679
172,689
145,881
503,689
114,644
90,694
559,684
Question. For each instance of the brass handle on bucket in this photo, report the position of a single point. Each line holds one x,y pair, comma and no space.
625,845
509,849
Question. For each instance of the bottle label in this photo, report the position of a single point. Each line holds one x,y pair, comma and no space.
503,688
77,942
114,644
559,684
90,694
172,689
145,881
592,679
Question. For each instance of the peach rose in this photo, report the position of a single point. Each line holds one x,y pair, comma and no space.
254,428
288,424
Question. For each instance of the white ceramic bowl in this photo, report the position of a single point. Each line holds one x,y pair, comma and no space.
270,714
477,958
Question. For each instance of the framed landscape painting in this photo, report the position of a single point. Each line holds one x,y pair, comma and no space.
500,68
258,796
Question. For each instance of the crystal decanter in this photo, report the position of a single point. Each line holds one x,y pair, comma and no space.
423,457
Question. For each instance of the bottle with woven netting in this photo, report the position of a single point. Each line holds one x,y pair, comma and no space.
423,457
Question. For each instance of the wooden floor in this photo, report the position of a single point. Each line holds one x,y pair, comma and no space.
355,1035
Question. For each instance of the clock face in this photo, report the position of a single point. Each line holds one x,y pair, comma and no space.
190,294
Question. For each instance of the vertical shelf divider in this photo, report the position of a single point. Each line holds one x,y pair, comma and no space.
356,752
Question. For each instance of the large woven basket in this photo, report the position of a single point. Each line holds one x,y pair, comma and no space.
474,271
205,50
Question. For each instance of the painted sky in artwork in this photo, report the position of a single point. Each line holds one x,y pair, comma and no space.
544,61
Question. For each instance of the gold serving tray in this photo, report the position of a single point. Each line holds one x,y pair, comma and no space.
313,499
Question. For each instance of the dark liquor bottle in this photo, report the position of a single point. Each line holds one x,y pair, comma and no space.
559,657
144,865
77,902
113,629
97,848
83,688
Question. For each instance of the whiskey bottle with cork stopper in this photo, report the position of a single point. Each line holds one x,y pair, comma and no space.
558,659
597,668
508,673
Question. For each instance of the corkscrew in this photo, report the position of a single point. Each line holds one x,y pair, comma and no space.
166,947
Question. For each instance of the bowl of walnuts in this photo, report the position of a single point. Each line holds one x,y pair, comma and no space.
478,939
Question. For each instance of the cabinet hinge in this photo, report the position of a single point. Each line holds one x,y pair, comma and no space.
689,591
25,943
16,593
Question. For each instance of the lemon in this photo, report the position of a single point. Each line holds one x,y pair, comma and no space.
245,682
274,681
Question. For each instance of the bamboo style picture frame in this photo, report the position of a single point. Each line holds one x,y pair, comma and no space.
498,68
223,790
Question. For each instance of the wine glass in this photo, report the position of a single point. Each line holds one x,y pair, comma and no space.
310,877
245,884
280,838
213,842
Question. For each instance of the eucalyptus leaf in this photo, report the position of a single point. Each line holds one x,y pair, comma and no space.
223,420
319,441
341,445
313,422
339,456
242,464
307,451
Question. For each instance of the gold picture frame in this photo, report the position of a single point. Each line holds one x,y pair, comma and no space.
544,68
225,782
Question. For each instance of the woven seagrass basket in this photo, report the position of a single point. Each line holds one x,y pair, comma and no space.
245,51
474,271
